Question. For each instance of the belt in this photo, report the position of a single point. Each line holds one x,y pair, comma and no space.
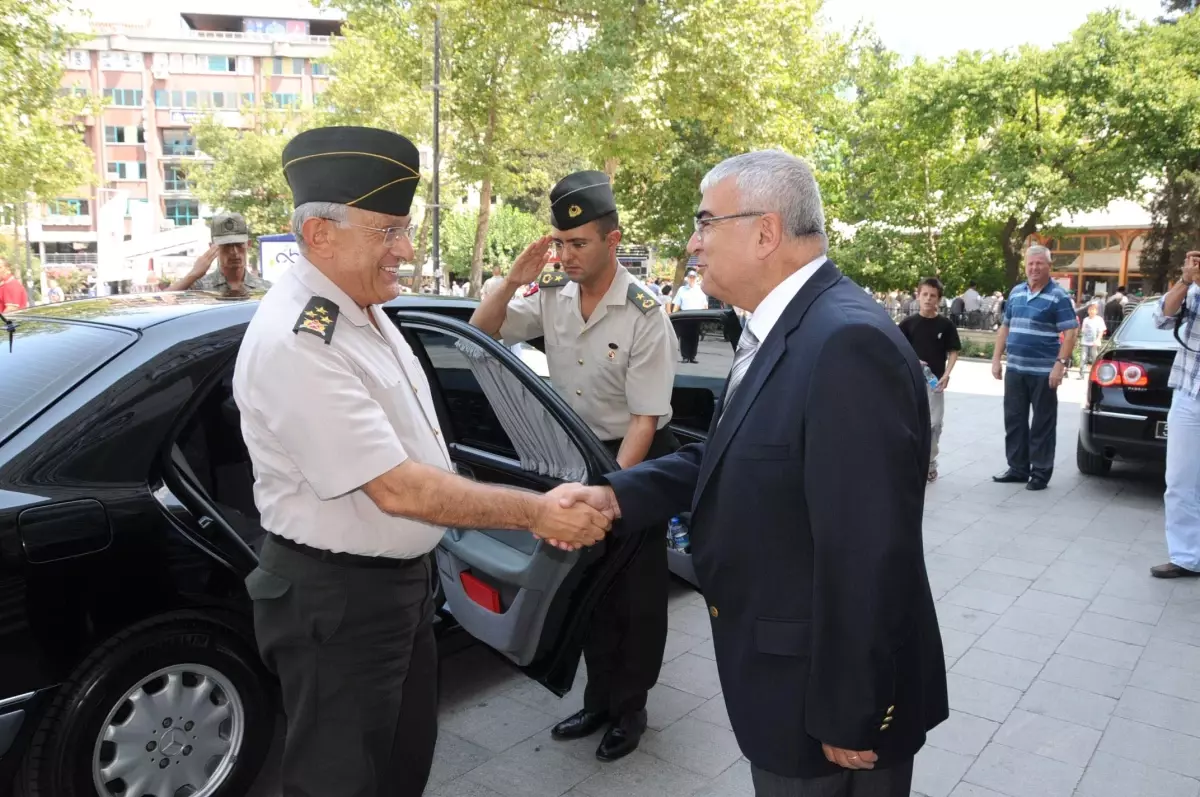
344,559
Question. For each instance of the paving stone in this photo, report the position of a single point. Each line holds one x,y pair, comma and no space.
1048,737
962,733
1068,703
533,769
714,711
981,698
1019,773
534,695
700,747
1159,710
454,756
1077,571
981,599
496,723
666,705
1175,654
693,674
997,583
1053,626
1087,675
1012,567
1011,642
955,643
465,788
1166,680
1098,649
1025,552
733,782
976,554
640,775
691,619
1177,630
705,650
1112,776
1102,625
965,789
960,618
952,565
1138,586
997,668
1155,747
679,643
1126,609
1061,585
937,771
1050,603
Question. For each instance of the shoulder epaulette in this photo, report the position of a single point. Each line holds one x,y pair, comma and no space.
553,279
318,318
643,298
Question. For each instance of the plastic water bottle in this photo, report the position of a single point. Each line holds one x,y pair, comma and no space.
680,538
930,377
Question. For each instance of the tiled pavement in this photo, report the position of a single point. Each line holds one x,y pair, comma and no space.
1071,672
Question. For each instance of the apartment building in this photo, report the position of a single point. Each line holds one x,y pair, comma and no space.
157,75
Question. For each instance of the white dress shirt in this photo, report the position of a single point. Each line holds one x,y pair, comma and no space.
772,306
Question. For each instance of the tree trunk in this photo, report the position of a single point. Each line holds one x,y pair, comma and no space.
1012,240
1166,252
481,229
680,272
610,167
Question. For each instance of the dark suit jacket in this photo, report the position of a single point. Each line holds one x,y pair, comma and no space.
806,505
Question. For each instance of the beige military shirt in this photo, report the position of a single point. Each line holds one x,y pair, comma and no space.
620,362
328,403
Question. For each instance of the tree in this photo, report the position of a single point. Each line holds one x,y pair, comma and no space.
510,231
42,151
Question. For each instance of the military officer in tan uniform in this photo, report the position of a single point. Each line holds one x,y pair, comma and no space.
354,481
611,352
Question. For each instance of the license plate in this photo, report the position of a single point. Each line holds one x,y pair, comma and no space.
1160,430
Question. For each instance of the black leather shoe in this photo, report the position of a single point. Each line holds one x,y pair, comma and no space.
1010,477
580,724
623,737
1036,484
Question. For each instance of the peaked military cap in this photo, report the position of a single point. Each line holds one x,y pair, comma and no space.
579,198
375,170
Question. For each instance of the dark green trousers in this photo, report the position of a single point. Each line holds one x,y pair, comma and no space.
357,662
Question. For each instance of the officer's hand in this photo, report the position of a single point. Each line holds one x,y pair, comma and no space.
568,526
850,759
529,264
202,264
601,498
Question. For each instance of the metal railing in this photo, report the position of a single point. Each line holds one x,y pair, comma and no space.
71,259
240,36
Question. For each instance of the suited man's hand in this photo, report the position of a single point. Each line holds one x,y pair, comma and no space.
568,525
602,498
850,759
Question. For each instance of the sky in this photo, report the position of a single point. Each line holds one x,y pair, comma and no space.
934,28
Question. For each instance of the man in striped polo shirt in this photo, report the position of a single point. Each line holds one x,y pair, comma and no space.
1038,311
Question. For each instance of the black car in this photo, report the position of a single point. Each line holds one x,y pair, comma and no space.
127,524
1125,407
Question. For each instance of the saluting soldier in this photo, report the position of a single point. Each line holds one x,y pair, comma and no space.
611,352
354,481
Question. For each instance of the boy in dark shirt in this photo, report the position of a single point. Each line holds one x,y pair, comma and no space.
935,340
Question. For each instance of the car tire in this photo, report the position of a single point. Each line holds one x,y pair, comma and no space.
61,757
1091,464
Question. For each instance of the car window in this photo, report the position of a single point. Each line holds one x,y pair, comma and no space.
1139,327
48,358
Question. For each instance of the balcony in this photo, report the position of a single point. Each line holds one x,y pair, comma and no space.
58,220
72,259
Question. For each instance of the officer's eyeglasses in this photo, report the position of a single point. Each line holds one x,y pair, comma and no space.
703,223
390,234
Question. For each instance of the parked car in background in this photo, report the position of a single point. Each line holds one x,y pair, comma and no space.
127,524
1125,407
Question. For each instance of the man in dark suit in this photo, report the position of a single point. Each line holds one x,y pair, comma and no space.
806,502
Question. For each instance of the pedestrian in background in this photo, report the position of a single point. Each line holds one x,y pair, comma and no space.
12,293
935,340
1179,309
1038,313
1091,335
690,296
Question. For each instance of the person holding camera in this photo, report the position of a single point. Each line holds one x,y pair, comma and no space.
1178,309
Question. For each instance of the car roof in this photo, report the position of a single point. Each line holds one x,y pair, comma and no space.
138,311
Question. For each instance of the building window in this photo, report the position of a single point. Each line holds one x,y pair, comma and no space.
179,143
125,98
116,170
279,100
297,66
283,66
67,91
320,69
191,99
141,170
222,63
114,134
162,98
248,100
67,207
175,179
182,211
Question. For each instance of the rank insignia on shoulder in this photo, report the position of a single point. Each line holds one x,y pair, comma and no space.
318,318
642,298
530,290
553,279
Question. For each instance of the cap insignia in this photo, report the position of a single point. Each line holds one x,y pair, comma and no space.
574,211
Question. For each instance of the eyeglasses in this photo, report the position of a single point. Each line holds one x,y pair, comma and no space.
390,234
702,223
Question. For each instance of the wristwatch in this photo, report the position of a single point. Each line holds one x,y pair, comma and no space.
1065,363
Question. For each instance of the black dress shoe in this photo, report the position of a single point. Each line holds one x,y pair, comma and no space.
580,724
1036,484
1010,476
623,737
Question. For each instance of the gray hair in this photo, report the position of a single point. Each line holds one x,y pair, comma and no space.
1038,249
771,180
316,210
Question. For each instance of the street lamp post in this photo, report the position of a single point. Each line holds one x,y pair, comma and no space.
437,207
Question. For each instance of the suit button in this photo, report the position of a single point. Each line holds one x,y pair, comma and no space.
890,710
713,611
581,362
578,392
883,727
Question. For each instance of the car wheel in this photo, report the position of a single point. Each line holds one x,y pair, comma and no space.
1091,464
175,705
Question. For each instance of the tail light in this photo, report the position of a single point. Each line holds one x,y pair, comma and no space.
1114,373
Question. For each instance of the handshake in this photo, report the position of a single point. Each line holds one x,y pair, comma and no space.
572,516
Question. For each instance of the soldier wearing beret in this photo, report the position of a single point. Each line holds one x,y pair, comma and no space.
611,352
233,276
354,481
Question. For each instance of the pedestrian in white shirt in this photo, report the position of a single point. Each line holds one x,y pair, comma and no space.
1091,335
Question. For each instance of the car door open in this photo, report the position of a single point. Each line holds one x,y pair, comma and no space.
504,425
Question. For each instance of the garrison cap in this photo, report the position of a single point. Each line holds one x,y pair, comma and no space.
579,198
229,228
362,167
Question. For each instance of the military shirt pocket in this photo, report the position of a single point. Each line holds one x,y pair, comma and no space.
779,637
265,585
